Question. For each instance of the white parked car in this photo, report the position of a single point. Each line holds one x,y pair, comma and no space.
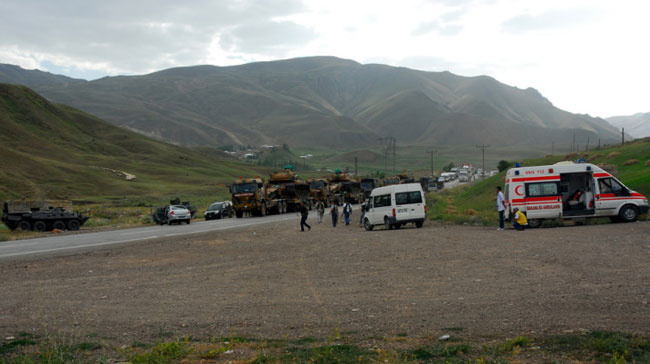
396,205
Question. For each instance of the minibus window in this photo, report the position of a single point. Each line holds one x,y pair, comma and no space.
405,198
381,201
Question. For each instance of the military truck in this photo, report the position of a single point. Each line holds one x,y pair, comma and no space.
367,185
319,191
41,215
391,181
250,195
344,188
287,186
404,177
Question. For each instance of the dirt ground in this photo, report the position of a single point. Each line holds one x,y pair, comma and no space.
272,281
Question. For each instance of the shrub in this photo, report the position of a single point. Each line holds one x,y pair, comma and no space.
613,154
647,163
630,162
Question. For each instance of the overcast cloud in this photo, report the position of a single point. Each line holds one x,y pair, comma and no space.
586,56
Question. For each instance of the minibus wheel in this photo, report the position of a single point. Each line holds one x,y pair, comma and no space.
387,224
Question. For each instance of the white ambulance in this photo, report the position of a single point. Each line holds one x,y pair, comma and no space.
395,205
570,190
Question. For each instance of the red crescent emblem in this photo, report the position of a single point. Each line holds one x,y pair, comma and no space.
517,190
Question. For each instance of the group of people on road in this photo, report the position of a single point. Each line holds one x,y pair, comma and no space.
333,211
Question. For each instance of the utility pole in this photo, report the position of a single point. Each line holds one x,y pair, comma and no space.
483,148
388,141
432,151
622,136
355,167
394,154
553,148
587,147
573,146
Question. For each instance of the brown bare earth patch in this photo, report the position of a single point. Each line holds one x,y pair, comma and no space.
274,281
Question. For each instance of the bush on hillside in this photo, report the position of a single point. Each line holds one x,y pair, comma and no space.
647,163
613,154
594,157
630,162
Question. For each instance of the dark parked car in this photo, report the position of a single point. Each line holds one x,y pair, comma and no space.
219,210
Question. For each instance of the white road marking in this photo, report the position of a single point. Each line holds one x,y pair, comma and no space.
43,241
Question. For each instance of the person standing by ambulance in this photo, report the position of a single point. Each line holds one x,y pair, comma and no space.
500,207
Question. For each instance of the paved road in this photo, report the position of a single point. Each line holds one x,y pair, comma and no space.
68,242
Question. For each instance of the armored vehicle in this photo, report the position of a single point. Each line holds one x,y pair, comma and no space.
41,215
288,187
343,188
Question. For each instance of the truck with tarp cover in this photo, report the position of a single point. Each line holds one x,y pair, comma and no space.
251,196
41,215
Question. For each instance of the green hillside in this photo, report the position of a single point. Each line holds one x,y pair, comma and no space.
55,151
475,203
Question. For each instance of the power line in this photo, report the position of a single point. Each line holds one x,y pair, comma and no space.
483,148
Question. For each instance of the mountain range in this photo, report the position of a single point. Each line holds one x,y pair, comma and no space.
318,101
637,125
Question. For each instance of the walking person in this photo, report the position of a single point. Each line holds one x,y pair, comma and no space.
347,210
320,210
334,211
363,212
303,217
500,207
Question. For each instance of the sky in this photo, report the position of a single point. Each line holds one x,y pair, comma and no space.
585,56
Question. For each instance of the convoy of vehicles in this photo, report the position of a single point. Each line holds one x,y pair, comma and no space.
395,205
570,190
41,215
565,190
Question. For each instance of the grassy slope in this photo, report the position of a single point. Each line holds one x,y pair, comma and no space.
54,151
475,203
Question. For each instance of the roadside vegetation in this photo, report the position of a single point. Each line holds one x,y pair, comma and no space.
474,203
587,346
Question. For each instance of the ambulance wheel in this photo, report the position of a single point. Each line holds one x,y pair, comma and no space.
367,225
418,224
534,223
628,213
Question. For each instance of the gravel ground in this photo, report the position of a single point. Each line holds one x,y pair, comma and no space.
274,281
